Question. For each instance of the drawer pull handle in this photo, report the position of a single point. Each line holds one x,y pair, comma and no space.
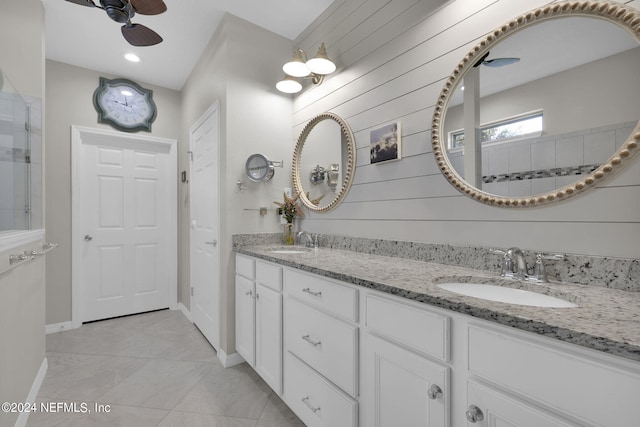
309,405
310,292
474,414
434,392
310,341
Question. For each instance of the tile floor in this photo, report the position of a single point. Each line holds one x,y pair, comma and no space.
152,369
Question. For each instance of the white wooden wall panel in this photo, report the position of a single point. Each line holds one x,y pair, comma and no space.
393,58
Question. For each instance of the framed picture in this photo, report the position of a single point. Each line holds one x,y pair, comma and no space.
385,143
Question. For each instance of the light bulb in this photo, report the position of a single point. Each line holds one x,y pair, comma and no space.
289,85
296,67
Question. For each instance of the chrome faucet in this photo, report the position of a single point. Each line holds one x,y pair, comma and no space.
519,269
308,238
514,265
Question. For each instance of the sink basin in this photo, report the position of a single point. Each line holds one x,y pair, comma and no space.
294,250
505,294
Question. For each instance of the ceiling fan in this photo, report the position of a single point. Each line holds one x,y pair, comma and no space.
123,10
496,62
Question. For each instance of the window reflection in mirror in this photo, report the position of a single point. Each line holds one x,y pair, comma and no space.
581,73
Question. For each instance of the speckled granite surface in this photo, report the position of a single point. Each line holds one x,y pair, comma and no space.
606,319
614,273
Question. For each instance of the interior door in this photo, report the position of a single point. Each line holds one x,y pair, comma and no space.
124,224
204,253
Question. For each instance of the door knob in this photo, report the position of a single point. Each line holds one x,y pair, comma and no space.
474,414
434,392
88,237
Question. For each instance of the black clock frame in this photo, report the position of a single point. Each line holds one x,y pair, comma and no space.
104,118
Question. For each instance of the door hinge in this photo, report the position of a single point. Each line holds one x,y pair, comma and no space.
192,291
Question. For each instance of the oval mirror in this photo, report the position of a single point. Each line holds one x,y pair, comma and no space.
323,162
544,107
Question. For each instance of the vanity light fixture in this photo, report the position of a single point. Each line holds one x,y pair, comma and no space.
301,67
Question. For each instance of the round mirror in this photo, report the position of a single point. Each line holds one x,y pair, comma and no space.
259,168
544,107
323,162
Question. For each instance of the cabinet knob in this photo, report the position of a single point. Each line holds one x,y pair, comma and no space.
88,237
434,392
474,414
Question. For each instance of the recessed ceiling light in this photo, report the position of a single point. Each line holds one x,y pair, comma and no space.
132,57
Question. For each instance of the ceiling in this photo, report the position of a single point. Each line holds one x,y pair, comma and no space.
550,47
87,37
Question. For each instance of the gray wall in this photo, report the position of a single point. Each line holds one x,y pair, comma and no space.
69,91
393,58
22,290
239,67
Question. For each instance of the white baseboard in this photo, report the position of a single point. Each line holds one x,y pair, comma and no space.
229,360
185,311
33,393
58,327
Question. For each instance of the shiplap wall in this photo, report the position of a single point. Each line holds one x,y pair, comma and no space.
393,58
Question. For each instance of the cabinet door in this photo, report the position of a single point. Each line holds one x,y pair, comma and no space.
499,410
397,385
245,319
269,336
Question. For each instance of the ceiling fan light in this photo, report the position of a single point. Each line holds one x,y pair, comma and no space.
296,67
289,85
132,57
321,64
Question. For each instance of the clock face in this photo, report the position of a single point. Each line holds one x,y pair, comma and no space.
124,105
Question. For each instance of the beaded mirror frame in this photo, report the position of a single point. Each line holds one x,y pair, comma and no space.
616,13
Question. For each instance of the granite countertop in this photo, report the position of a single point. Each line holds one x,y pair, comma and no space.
607,319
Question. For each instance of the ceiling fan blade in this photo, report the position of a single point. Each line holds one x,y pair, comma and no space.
148,7
139,35
500,62
87,3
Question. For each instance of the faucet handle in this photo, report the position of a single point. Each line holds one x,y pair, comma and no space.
551,256
539,270
506,263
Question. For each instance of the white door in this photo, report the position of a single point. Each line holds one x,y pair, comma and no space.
204,254
124,224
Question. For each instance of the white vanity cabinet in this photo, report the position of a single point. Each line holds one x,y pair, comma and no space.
406,379
321,347
345,355
528,377
259,318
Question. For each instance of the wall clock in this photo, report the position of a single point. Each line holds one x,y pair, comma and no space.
124,104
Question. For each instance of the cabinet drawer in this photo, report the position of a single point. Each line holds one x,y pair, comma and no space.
317,402
322,293
245,266
414,327
567,381
269,275
327,344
